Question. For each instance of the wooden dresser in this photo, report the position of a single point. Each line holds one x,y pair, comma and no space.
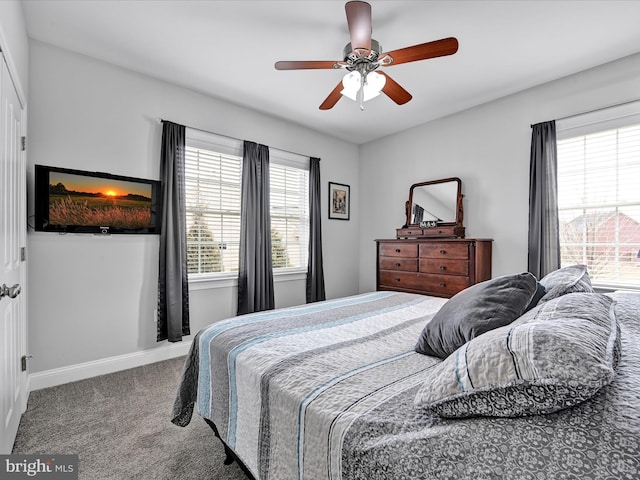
439,267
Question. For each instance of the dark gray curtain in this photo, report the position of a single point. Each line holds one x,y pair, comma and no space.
544,240
173,287
255,277
315,272
418,213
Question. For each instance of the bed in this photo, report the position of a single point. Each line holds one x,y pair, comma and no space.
337,390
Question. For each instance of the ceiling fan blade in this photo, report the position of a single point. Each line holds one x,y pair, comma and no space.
394,91
437,48
359,21
303,65
333,98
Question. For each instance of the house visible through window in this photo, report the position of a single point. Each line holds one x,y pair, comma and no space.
599,197
213,174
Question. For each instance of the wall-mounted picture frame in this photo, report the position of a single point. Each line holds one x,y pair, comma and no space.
339,201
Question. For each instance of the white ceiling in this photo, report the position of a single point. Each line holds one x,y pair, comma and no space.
227,49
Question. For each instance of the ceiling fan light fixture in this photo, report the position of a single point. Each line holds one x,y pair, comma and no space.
351,82
371,87
374,83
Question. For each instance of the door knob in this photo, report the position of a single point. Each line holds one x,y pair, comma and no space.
11,292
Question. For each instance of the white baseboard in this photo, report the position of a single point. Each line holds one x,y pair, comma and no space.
72,373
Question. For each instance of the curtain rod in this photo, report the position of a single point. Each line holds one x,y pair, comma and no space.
594,110
162,120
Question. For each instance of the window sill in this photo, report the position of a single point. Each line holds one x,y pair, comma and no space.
227,280
207,281
609,287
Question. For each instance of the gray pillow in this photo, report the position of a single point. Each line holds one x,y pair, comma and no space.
475,310
540,292
574,278
564,352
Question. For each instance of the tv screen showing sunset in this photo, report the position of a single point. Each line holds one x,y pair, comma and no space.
88,200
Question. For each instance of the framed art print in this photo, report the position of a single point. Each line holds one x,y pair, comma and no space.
339,201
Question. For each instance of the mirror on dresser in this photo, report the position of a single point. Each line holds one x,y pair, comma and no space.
430,254
434,209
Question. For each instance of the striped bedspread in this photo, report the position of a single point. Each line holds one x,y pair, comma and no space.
283,386
326,391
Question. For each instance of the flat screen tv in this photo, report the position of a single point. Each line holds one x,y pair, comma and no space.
76,201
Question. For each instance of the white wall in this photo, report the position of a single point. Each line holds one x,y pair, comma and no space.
488,148
93,298
15,45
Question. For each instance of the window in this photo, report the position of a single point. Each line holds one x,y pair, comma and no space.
289,197
213,174
212,183
599,199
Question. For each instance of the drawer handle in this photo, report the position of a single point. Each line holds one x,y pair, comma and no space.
443,251
398,264
442,267
442,284
398,250
397,279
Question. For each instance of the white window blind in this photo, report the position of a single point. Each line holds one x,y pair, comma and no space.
599,199
213,186
213,196
289,197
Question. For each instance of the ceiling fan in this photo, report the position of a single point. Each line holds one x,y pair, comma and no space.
363,55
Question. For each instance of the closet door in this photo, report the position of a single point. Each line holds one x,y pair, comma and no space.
13,395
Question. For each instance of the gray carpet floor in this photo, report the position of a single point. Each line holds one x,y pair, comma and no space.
119,425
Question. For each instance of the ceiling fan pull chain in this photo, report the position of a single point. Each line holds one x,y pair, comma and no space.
363,79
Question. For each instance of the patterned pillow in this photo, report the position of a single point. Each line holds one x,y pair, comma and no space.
566,280
475,310
562,354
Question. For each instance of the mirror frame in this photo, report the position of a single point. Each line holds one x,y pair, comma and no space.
459,209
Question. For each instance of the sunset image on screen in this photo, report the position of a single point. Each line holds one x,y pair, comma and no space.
84,200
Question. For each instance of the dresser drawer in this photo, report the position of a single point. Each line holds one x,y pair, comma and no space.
399,263
409,232
445,266
445,250
398,250
441,285
437,231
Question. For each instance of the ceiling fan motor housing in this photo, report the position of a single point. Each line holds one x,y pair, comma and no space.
361,58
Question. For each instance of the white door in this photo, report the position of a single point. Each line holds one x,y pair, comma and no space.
13,395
